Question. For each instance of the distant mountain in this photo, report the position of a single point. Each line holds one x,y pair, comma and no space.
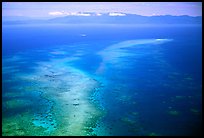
107,19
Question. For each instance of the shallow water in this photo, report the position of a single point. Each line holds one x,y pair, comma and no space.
114,80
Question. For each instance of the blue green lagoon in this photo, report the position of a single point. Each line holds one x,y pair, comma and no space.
101,80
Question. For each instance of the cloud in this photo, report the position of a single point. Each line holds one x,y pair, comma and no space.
63,13
98,14
56,13
77,14
116,14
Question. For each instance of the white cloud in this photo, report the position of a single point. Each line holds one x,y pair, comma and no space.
56,13
81,14
98,14
116,14
63,13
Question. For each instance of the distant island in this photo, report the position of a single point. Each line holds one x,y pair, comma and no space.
108,18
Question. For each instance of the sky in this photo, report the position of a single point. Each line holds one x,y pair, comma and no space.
54,9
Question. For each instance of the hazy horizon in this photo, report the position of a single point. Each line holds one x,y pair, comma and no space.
59,9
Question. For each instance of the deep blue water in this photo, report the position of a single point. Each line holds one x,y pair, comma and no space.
156,80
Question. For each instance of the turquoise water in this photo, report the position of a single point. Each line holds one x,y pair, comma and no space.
101,80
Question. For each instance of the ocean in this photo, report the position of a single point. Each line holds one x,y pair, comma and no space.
103,80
